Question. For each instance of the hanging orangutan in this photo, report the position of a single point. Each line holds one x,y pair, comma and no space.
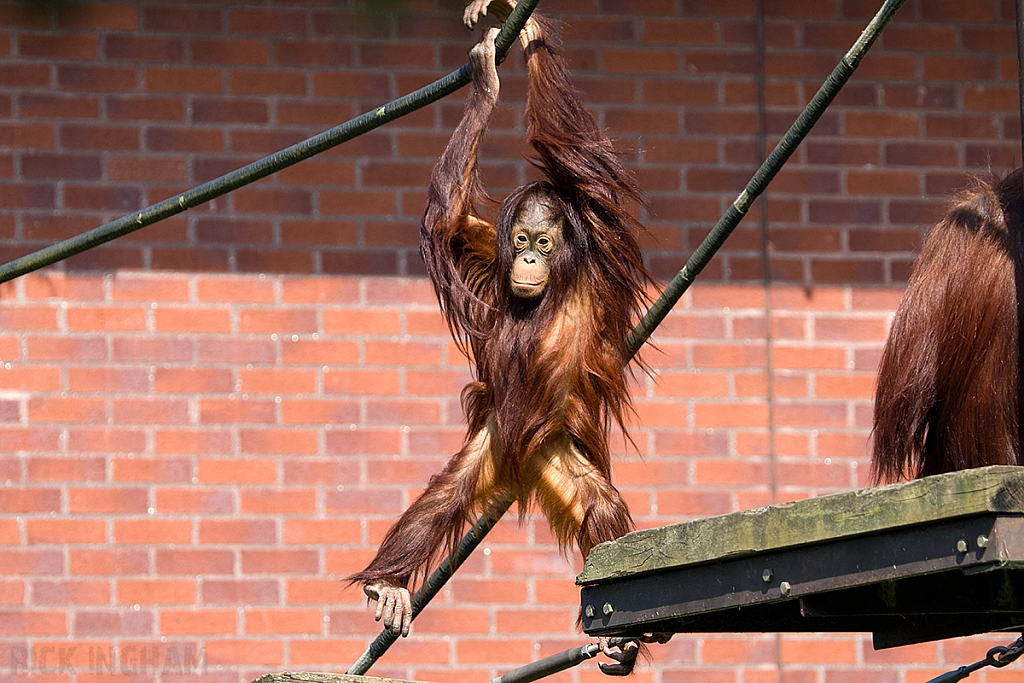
948,385
542,300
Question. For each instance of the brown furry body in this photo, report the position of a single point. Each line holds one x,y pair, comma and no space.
947,396
550,372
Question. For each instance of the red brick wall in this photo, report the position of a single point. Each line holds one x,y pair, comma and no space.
206,424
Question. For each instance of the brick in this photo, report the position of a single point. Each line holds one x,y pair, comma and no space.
65,531
27,195
192,441
41,469
96,77
146,531
840,386
151,350
215,411
279,561
146,108
108,379
797,649
819,414
237,471
240,591
112,623
247,532
56,105
118,562
282,621
163,470
305,351
194,500
190,562
156,591
143,48
72,592
58,286
227,350
229,51
266,82
333,471
279,321
160,169
34,622
279,441
70,166
285,501
305,591
184,79
319,412
205,622
404,412
33,439
277,381
321,532
107,500
196,320
336,650
401,353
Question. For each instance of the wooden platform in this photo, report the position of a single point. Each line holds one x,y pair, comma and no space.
922,560
317,677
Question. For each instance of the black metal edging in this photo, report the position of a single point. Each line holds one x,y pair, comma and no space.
267,165
764,175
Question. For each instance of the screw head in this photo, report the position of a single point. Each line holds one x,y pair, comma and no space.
785,588
961,546
589,611
766,575
982,541
607,609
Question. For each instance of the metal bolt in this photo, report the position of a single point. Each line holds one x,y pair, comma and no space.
982,541
785,588
607,609
766,575
589,611
961,546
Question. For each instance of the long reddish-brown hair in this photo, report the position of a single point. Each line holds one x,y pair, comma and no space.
947,395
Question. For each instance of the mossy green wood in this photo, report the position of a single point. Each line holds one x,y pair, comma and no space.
997,489
317,677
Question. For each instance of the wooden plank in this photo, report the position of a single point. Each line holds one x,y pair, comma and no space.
998,489
970,567
320,677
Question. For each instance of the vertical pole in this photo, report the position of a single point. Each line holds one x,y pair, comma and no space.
1017,240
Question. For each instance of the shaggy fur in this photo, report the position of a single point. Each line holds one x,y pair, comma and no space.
550,376
947,396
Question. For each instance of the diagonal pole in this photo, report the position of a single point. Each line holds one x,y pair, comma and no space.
764,175
1017,240
678,286
267,165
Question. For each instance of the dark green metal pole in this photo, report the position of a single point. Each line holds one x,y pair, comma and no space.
549,666
764,175
268,165
435,582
